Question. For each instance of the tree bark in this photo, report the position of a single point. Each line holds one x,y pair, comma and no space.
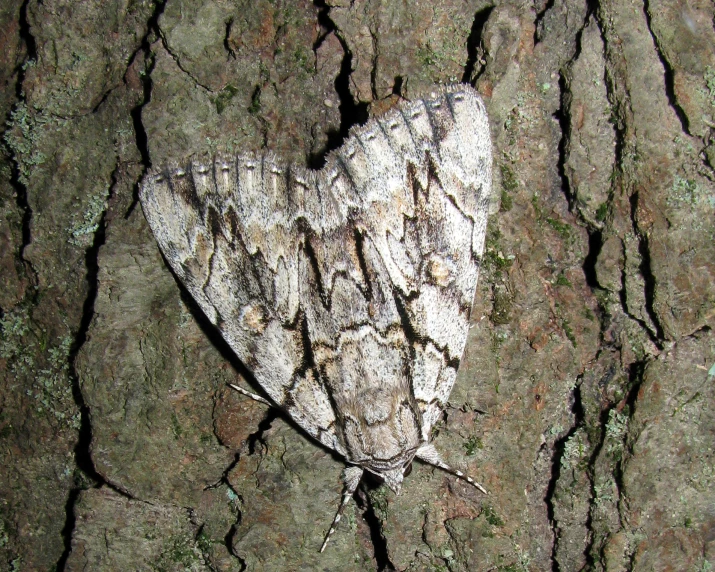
584,402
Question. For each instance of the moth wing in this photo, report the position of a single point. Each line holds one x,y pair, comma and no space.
228,229
423,173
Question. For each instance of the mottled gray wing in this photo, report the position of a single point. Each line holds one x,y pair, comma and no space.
422,178
325,284
234,232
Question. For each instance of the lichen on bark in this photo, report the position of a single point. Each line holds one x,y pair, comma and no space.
583,399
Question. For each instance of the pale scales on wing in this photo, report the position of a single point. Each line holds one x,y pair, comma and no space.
347,290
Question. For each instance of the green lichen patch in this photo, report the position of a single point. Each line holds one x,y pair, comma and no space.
224,97
44,364
602,212
503,303
506,203
85,224
14,348
21,139
616,429
255,107
509,184
53,385
682,192
494,258
492,517
536,205
179,553
562,280
563,229
472,444
438,58
687,192
568,332
304,60
380,504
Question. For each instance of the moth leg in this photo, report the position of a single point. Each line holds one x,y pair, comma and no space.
251,395
351,479
429,454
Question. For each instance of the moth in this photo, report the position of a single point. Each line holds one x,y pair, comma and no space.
346,290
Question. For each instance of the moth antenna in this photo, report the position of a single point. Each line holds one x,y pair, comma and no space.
254,396
351,479
429,455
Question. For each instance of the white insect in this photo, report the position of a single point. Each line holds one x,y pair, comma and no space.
346,291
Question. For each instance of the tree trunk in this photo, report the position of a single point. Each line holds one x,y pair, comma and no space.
585,398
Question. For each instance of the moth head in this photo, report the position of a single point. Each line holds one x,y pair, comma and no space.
392,473
393,479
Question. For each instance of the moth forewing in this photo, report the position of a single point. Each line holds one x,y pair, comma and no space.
346,291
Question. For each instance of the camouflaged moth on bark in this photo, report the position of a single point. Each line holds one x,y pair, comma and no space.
346,291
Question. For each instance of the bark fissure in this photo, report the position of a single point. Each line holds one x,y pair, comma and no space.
619,97
82,449
381,552
557,458
177,59
649,278
595,244
140,134
351,112
474,41
539,18
19,187
668,72
564,117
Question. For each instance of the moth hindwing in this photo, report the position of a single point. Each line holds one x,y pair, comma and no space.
346,291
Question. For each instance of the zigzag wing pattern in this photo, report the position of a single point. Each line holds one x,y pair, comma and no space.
346,291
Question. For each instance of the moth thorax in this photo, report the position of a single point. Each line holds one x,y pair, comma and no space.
378,406
383,435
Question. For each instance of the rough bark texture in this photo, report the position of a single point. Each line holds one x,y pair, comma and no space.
585,399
